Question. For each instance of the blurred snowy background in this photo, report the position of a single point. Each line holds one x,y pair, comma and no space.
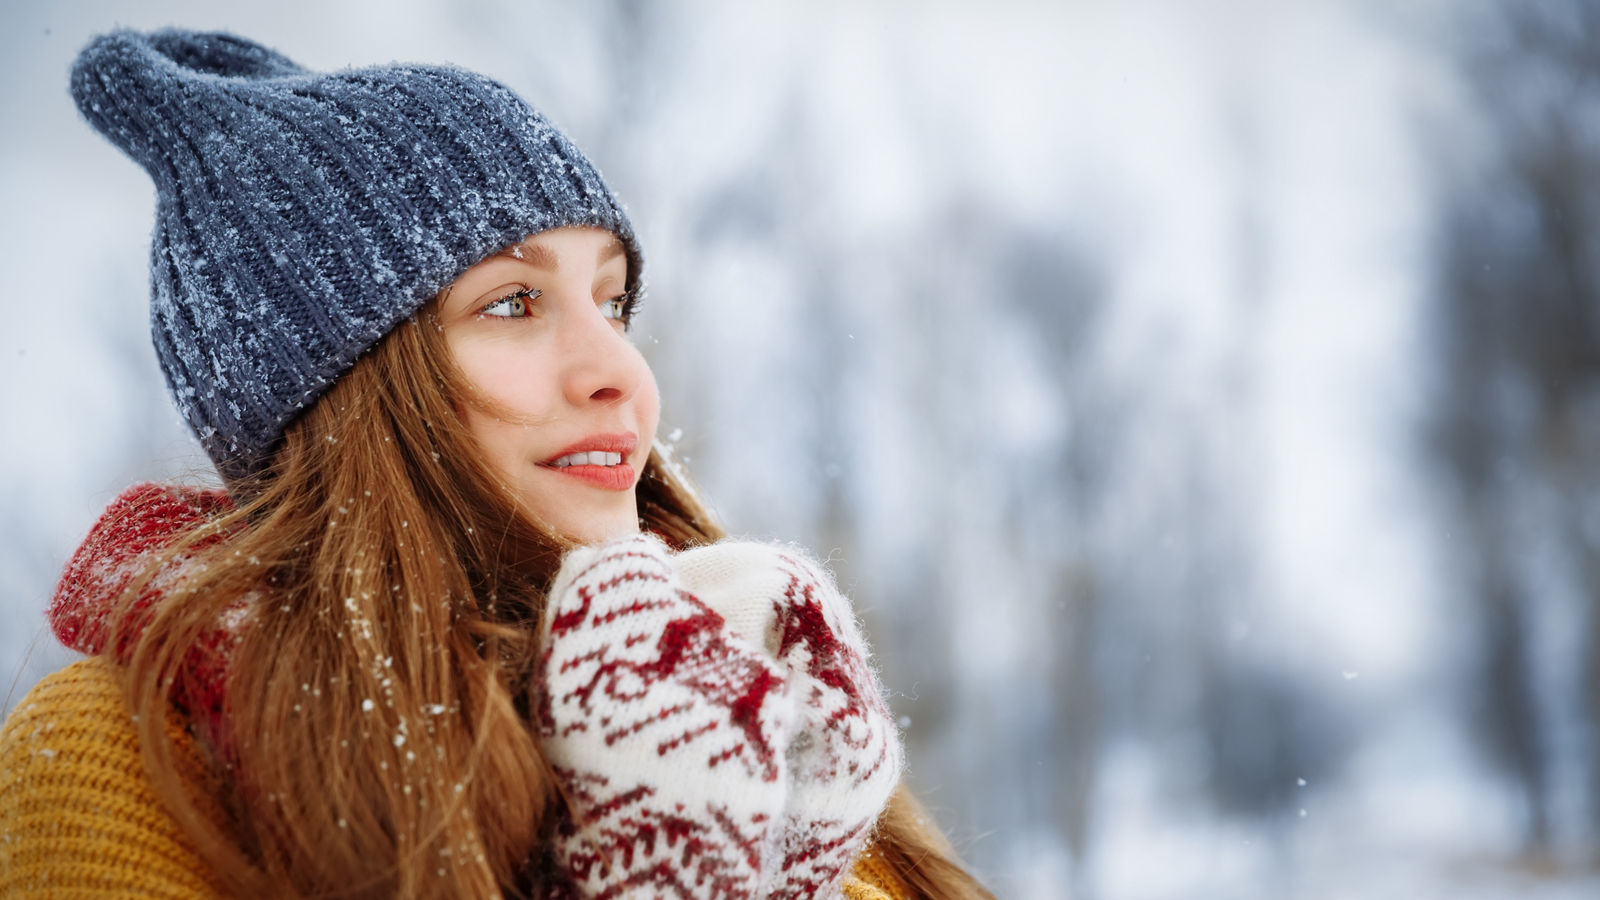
1201,399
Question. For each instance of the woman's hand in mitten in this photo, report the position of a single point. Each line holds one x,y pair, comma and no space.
845,757
667,731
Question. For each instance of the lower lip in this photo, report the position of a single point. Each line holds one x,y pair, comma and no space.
610,478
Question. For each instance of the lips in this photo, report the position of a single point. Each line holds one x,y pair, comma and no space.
599,460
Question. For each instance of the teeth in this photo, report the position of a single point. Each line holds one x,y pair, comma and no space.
589,458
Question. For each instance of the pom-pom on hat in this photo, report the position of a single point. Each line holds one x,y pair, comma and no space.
300,216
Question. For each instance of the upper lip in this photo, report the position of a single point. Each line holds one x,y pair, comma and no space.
621,442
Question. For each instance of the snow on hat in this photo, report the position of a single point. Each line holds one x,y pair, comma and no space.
300,216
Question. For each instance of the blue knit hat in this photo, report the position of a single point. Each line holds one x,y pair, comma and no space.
300,216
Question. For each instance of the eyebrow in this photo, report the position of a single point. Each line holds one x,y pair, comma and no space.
611,251
541,257
536,255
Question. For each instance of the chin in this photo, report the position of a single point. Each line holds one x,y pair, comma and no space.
597,535
600,526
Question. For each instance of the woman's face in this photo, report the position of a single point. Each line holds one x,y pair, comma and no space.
570,407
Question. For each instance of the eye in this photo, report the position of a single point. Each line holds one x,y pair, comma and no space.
621,308
512,306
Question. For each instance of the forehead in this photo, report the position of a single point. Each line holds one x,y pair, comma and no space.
554,252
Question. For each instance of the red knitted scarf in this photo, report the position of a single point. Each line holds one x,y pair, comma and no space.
88,612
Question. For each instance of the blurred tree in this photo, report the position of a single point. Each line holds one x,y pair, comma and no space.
1058,293
1517,418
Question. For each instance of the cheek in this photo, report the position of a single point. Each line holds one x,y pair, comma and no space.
498,441
511,381
647,401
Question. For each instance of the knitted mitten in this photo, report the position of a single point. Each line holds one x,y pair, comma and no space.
845,758
666,730
731,744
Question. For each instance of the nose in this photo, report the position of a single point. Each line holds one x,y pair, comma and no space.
599,364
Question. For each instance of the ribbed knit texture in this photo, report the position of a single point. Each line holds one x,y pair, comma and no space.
871,878
78,817
300,216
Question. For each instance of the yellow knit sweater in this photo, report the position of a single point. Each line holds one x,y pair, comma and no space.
79,819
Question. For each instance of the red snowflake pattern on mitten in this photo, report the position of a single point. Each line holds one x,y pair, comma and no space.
845,758
714,721
667,731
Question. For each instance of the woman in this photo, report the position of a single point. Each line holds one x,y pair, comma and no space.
456,627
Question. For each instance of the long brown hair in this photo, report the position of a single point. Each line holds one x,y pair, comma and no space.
386,588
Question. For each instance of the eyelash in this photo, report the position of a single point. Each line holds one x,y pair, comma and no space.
527,295
621,308
625,307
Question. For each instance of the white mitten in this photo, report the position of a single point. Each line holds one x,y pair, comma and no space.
714,721
667,731
845,757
